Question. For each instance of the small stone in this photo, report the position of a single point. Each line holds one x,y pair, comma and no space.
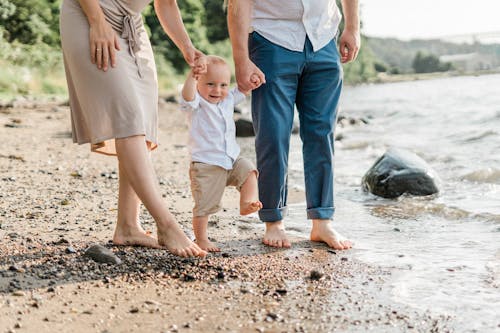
15,268
101,254
134,310
189,278
315,275
70,249
18,293
281,292
344,259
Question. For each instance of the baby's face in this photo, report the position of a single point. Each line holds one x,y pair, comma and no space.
213,86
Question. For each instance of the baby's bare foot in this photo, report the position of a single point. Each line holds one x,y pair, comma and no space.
250,207
322,231
207,245
171,236
275,235
134,236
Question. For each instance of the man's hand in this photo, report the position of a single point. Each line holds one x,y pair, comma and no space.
350,42
249,76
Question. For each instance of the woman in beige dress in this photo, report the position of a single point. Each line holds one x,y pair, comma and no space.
113,92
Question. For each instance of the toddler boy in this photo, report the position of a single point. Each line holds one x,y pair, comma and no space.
215,160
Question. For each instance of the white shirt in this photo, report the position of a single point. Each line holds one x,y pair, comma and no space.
212,134
288,22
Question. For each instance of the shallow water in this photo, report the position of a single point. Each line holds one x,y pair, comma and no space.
445,248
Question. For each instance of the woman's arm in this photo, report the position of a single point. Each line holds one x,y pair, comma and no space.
103,39
170,19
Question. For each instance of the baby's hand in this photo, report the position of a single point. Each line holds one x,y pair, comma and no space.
255,80
200,66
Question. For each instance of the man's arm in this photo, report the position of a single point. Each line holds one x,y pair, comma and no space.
350,40
248,76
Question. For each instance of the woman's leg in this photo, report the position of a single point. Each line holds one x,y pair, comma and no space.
135,163
128,230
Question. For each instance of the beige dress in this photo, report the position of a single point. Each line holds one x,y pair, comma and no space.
121,102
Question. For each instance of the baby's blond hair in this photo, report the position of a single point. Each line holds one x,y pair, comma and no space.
215,60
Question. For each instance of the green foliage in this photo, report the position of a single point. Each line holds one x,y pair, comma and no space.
28,68
380,67
31,59
192,12
30,21
429,63
215,19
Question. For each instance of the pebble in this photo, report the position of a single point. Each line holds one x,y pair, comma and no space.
70,249
316,275
101,254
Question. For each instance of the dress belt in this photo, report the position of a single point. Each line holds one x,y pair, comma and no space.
129,33
125,25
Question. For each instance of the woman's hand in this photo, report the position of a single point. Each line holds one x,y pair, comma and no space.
196,60
103,45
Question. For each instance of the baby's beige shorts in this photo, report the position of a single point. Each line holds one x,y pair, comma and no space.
208,183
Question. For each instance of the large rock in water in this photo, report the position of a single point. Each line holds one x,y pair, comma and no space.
399,171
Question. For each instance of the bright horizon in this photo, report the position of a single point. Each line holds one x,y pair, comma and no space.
423,19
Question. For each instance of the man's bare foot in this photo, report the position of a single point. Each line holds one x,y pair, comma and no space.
207,245
250,207
322,231
134,236
275,235
171,236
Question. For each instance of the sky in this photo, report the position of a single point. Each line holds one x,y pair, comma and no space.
407,19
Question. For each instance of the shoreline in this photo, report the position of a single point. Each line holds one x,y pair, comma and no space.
57,199
32,101
383,78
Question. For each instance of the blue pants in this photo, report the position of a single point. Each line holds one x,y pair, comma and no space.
312,81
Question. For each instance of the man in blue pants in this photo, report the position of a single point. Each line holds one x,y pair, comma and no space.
286,52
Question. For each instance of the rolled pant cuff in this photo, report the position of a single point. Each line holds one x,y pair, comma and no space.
324,213
273,215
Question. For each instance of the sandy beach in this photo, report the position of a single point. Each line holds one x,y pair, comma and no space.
57,199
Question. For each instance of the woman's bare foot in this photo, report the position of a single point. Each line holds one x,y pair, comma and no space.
134,236
207,245
250,207
275,235
322,231
171,236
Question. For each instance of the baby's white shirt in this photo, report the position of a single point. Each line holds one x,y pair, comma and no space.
212,133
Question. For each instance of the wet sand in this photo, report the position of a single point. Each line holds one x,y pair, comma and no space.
57,199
